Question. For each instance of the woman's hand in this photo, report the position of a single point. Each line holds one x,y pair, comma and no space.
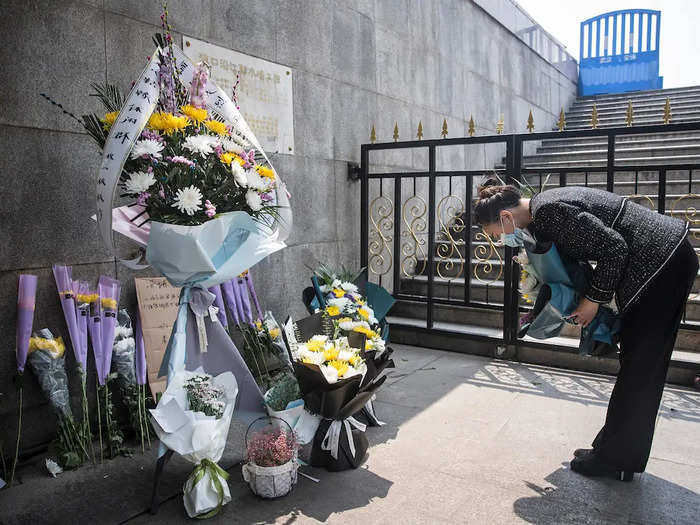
585,312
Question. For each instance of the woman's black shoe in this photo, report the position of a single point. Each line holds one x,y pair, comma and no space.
580,452
591,465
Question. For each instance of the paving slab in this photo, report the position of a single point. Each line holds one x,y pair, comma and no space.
467,439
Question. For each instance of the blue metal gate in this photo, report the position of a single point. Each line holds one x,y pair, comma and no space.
620,52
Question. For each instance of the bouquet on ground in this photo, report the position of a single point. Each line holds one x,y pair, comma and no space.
26,302
345,298
47,360
330,374
193,418
124,357
271,452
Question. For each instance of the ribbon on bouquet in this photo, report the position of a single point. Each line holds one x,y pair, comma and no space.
369,407
216,474
133,117
200,301
331,441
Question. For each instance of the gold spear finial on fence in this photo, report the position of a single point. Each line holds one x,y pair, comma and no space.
667,111
472,127
420,130
530,122
594,117
444,129
372,135
396,132
562,120
629,115
499,125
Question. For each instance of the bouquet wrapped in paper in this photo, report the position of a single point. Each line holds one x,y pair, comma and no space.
356,306
206,202
47,360
193,418
330,374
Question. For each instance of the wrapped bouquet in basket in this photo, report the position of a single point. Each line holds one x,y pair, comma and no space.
192,418
271,466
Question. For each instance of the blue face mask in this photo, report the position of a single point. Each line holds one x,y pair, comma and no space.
515,239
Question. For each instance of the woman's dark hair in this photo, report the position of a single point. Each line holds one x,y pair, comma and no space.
493,197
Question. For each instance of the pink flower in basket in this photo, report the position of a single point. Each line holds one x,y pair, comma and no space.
271,448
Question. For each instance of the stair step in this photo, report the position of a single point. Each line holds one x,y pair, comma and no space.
602,145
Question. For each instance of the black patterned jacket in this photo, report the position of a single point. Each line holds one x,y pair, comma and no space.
629,243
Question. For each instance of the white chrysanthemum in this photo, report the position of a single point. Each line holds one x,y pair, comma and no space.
336,283
330,373
253,199
315,358
340,302
139,182
349,287
147,147
240,140
188,200
124,344
203,144
258,182
122,331
345,355
239,174
322,338
232,146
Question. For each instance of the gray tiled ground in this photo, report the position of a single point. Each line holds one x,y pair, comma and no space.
467,440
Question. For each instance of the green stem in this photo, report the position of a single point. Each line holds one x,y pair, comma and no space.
86,431
138,402
99,423
19,434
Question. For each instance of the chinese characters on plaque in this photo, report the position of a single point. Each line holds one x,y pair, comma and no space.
264,92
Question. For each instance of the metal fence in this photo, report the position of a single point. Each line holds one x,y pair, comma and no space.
417,236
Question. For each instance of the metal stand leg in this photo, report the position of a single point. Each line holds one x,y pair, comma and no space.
160,464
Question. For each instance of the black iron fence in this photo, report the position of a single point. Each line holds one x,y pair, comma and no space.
417,236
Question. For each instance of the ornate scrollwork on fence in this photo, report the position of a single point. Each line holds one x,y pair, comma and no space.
485,255
639,199
689,214
449,214
413,213
381,212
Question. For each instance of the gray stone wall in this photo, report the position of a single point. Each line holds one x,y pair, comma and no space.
355,63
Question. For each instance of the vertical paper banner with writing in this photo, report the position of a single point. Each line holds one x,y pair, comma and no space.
158,302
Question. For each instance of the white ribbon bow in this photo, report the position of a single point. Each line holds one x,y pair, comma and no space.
332,438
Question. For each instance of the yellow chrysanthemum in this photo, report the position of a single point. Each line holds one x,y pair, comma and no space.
109,118
367,331
217,127
341,366
264,171
258,324
307,360
275,333
361,302
87,298
355,360
329,354
338,292
345,320
55,347
369,344
315,346
333,310
196,114
363,313
167,122
108,302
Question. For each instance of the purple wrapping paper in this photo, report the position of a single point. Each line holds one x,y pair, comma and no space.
141,368
95,331
227,288
219,303
239,299
64,284
245,299
82,312
109,298
26,299
251,289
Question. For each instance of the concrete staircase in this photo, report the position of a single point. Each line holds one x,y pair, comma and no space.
476,329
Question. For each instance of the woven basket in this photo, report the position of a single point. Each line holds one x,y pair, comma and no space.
271,482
